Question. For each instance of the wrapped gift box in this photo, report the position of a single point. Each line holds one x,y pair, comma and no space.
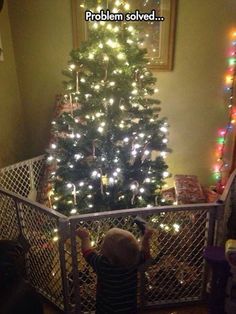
188,190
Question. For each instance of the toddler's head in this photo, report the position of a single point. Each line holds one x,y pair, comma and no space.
121,248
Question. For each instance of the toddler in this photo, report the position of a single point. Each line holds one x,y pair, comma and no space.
116,268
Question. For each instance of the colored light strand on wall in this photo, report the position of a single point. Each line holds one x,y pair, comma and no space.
223,133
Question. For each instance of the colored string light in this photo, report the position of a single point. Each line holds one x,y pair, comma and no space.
223,133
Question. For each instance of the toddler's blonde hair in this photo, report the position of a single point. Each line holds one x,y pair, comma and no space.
121,248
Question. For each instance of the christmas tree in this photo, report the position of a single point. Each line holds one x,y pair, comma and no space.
109,144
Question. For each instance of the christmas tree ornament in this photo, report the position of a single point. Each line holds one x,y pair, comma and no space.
105,180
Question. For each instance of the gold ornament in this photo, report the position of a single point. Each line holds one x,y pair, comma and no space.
105,180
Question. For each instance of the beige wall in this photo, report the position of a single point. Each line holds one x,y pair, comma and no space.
191,95
42,40
12,133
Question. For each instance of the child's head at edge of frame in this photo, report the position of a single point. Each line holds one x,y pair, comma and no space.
121,248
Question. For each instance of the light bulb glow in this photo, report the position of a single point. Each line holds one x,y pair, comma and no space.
129,41
163,129
130,28
133,187
111,180
72,66
50,158
94,173
176,227
111,43
91,56
165,174
126,6
228,79
77,156
120,56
